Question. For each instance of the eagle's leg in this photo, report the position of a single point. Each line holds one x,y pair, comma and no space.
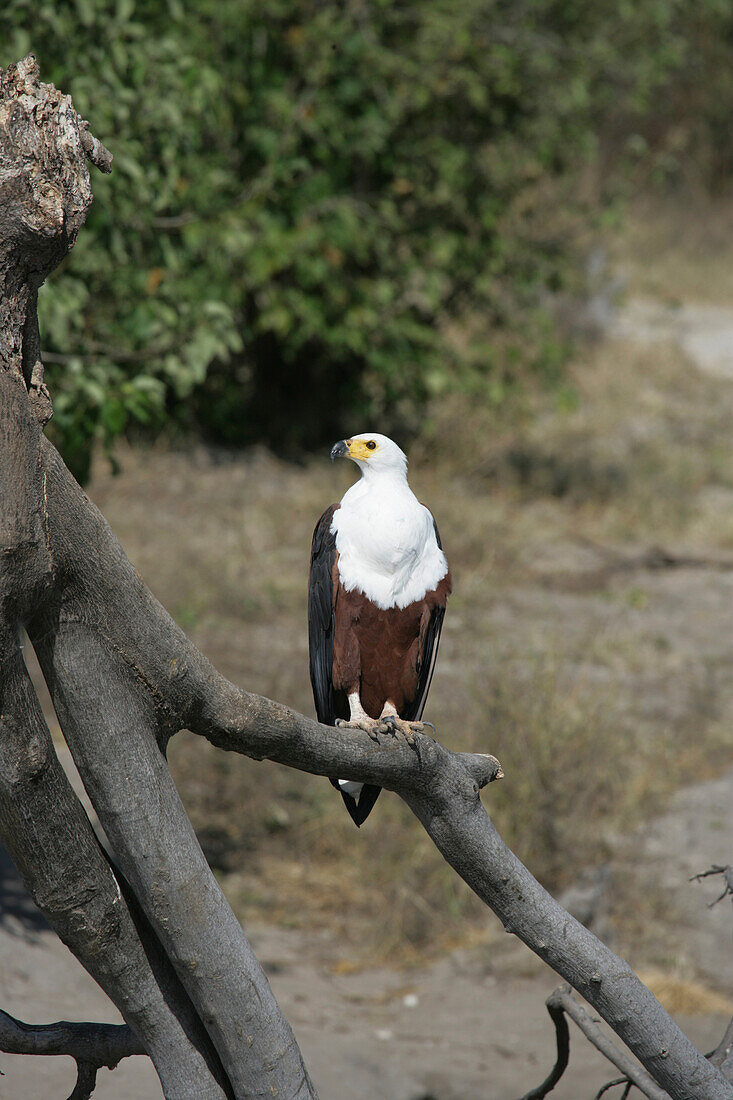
395,724
359,719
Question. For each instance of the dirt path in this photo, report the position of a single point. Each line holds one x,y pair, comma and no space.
704,333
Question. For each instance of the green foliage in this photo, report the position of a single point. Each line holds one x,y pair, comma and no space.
140,310
321,214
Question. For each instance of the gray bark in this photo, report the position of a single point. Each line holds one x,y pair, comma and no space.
103,1044
44,185
124,678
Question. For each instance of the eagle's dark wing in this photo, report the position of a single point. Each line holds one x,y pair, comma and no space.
321,598
427,657
320,617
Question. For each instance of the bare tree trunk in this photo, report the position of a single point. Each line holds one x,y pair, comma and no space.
124,678
180,970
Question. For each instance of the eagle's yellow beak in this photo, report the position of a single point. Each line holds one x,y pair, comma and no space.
358,449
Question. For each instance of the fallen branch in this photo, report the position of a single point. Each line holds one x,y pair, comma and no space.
726,872
635,1074
654,558
92,1046
559,1003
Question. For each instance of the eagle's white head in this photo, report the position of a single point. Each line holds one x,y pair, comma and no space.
385,538
373,454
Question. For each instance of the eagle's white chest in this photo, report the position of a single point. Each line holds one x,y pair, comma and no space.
386,543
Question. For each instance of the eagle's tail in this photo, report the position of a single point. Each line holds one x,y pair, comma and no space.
359,800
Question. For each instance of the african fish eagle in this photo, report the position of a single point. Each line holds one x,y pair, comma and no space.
379,582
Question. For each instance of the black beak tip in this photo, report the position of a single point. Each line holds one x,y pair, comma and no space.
339,450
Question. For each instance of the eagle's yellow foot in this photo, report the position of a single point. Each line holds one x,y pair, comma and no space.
372,726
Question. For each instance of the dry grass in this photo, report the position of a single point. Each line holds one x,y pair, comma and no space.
682,997
638,449
676,252
599,693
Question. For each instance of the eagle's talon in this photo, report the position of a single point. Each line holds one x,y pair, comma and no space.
372,726
397,726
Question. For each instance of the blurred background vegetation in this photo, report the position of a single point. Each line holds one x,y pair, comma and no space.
326,213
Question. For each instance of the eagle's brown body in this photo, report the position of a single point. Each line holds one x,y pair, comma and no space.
380,653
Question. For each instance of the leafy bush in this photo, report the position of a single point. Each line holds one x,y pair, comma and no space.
320,213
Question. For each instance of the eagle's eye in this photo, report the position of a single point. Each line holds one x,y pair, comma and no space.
371,444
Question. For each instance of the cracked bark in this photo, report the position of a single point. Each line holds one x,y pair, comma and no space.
124,678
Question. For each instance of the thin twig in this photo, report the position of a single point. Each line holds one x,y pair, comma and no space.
726,872
612,1085
97,153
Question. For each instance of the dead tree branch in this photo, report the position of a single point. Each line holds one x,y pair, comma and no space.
633,1073
559,1003
124,679
726,872
92,1046
445,798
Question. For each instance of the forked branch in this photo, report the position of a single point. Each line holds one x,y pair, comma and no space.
717,869
560,1003
92,1046
635,1074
